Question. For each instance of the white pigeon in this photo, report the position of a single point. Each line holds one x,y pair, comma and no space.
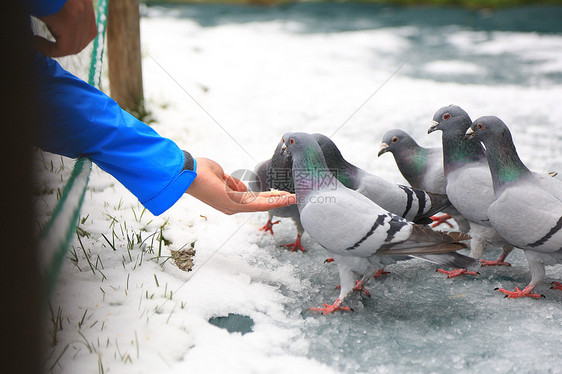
360,235
423,168
469,183
527,210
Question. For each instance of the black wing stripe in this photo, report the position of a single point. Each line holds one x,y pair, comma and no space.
410,199
552,231
421,201
378,222
396,225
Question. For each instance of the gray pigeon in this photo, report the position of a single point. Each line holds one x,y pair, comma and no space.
422,168
527,210
469,183
412,204
275,173
359,234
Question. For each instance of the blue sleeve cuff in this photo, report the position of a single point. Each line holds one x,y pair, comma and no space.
42,8
172,193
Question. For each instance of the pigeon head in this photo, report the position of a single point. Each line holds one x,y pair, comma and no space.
285,142
488,129
396,140
505,165
304,151
300,145
453,121
310,172
450,119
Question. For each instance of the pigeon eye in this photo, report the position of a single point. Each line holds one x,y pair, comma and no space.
292,141
395,139
446,116
480,126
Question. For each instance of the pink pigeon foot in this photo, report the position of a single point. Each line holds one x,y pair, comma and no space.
332,308
556,286
498,262
296,246
269,226
437,220
526,292
380,273
328,260
457,272
360,286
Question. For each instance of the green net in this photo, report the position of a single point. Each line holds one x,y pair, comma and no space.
57,234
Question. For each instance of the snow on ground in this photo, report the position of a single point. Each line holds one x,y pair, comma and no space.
226,83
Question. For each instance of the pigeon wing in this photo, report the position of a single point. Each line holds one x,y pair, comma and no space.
347,223
529,217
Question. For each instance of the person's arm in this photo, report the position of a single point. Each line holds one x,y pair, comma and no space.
152,167
73,26
229,195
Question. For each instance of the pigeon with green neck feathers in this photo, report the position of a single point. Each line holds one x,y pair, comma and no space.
360,235
527,210
422,168
275,173
412,204
469,182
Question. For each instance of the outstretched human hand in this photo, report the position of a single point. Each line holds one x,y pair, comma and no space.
73,27
229,195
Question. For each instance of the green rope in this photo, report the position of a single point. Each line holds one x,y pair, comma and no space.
57,234
95,61
56,243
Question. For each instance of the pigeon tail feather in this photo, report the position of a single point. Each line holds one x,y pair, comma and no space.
421,250
453,260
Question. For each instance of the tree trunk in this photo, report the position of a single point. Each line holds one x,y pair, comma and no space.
124,55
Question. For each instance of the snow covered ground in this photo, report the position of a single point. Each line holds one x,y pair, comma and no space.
121,305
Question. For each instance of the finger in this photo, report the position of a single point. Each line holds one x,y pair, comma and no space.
276,194
249,201
235,183
271,202
249,196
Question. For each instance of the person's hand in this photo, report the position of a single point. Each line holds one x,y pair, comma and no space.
229,195
73,27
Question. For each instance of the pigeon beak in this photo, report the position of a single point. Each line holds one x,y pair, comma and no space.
283,148
383,148
433,127
469,133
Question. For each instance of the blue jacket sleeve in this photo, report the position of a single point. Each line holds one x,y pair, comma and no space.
41,8
80,121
